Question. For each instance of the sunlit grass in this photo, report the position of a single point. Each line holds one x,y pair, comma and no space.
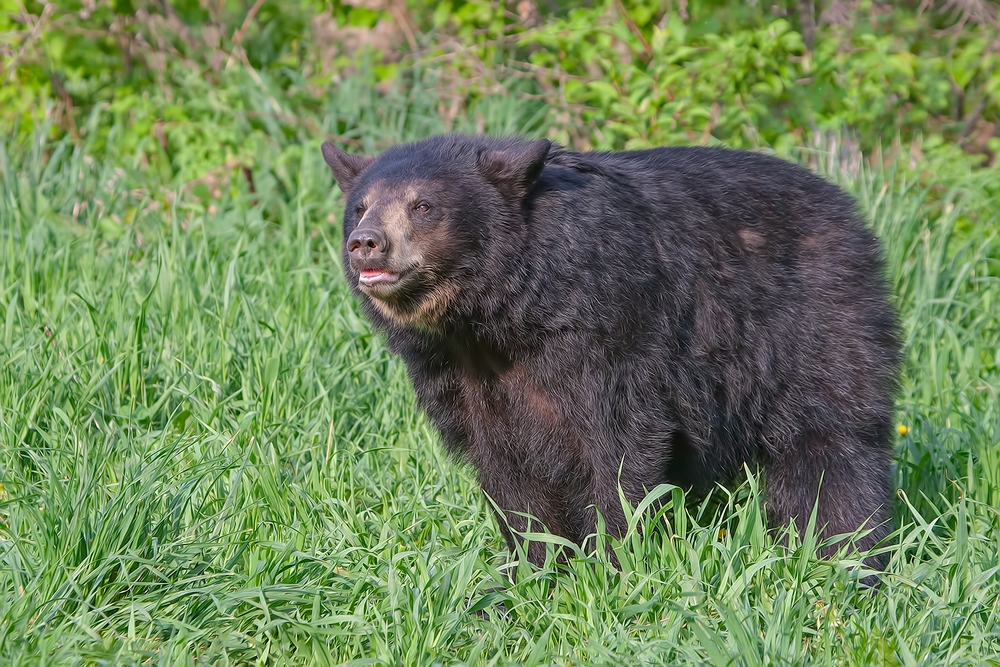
206,456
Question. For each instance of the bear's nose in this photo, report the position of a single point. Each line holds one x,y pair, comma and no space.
367,243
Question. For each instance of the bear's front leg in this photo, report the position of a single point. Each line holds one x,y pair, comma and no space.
533,503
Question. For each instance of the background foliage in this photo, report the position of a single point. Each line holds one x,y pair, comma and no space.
206,457
883,77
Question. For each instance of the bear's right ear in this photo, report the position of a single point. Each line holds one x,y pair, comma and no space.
346,168
514,171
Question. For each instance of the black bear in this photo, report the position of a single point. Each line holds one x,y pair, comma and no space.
573,322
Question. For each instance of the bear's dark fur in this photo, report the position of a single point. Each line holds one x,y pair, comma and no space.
668,314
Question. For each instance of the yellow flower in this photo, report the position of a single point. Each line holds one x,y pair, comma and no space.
903,430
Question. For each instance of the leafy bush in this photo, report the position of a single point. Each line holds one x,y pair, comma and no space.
615,74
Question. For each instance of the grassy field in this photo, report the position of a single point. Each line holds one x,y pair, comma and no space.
207,456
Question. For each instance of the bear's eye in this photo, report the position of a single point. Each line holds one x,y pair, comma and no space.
422,207
360,210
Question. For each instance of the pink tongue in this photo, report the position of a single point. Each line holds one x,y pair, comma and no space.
370,273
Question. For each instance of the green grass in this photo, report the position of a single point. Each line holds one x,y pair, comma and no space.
207,456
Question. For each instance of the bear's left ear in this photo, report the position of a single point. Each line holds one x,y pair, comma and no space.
514,171
346,167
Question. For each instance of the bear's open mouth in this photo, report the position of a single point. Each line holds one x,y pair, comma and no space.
384,285
371,277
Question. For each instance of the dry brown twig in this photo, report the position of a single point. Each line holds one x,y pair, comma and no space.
238,36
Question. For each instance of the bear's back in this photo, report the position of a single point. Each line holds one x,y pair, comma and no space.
718,186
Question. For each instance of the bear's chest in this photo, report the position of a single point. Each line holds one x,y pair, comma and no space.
518,429
516,414
510,401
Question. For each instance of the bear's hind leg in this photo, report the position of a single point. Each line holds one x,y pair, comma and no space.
852,475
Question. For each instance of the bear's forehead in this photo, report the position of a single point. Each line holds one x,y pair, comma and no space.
389,188
414,166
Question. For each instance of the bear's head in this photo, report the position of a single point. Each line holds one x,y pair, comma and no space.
423,219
